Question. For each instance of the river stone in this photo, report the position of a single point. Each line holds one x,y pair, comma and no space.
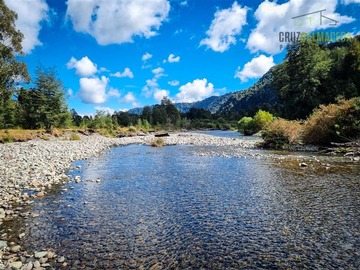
303,164
37,264
40,254
61,259
15,248
3,244
15,265
28,266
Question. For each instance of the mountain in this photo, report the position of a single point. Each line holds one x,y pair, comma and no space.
259,95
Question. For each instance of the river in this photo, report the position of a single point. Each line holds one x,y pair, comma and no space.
170,208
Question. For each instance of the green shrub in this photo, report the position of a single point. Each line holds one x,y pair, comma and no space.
250,126
246,126
281,132
262,119
74,137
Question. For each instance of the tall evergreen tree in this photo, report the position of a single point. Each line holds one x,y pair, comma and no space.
11,70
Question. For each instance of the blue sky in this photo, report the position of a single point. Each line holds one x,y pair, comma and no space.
119,54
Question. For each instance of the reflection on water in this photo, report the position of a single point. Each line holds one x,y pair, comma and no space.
166,208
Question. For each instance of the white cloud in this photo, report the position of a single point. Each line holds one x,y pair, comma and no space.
160,93
146,57
158,72
347,2
70,92
117,21
274,18
152,86
93,90
126,73
30,15
173,59
128,98
113,92
174,83
226,25
257,67
195,91
84,67
107,110
184,3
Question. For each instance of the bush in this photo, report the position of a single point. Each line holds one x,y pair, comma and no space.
262,119
246,126
250,126
74,137
157,143
333,123
281,132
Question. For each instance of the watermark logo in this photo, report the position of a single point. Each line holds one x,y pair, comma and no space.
308,19
312,19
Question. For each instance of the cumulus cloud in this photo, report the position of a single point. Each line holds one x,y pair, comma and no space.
223,30
128,98
93,90
195,91
174,83
83,67
152,86
257,67
274,18
113,92
107,110
146,57
172,59
70,92
30,15
160,93
158,72
117,21
126,73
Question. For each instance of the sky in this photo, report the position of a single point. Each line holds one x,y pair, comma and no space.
114,55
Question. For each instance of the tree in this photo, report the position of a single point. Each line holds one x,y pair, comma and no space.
44,105
146,113
173,114
123,119
11,70
301,79
159,115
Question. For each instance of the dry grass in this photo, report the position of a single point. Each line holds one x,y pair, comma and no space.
282,132
17,135
157,143
320,127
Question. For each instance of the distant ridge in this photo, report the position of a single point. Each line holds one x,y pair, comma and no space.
259,95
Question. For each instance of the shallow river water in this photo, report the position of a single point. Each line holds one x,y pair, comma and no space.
168,208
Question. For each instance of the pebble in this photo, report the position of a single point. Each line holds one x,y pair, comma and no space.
15,248
303,164
3,244
61,259
40,254
15,265
28,266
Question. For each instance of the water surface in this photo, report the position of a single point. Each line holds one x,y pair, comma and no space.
168,208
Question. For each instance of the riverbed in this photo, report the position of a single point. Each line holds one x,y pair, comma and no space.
198,207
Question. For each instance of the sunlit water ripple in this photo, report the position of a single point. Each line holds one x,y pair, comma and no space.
168,208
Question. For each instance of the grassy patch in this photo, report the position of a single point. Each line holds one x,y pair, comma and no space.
157,143
17,135
74,137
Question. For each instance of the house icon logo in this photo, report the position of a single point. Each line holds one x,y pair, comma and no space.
312,18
